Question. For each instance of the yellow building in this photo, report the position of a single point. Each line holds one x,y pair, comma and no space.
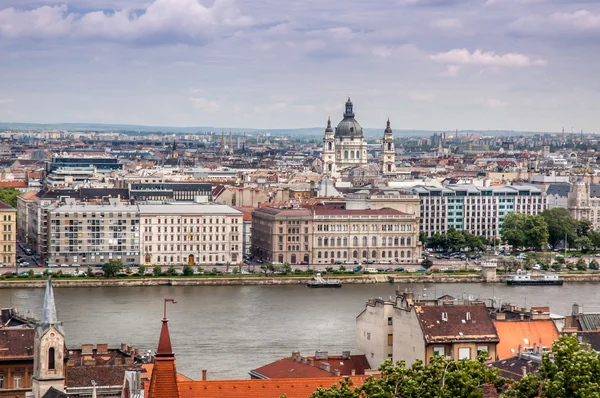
8,227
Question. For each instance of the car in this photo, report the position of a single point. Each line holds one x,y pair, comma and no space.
99,273
422,269
64,265
536,267
399,269
389,270
52,265
24,264
304,263
380,269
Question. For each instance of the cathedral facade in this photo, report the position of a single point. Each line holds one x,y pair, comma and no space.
345,147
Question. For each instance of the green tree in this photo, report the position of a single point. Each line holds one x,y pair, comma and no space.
141,270
427,263
30,274
558,264
438,241
423,238
595,238
286,268
560,223
513,229
157,270
581,265
188,270
509,264
456,240
570,266
200,269
342,268
525,230
584,226
584,244
171,271
112,268
593,265
442,378
90,272
9,196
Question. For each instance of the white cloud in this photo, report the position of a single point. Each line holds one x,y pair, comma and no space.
420,96
451,71
489,58
446,24
204,104
495,103
558,24
6,100
162,20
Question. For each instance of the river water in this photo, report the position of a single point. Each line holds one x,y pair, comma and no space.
231,330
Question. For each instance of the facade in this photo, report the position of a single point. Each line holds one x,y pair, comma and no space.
283,235
478,210
16,361
92,235
102,164
191,233
346,147
328,235
405,330
8,225
24,204
583,202
171,191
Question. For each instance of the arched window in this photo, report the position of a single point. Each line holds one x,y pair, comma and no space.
332,255
326,241
408,254
293,259
339,254
280,258
383,254
345,254
396,254
339,241
374,254
364,254
329,146
355,241
345,241
390,253
402,241
402,254
320,242
374,241
408,241
345,154
389,167
51,359
325,254
358,154
395,241
389,146
364,240
389,241
318,254
351,154
355,254
306,258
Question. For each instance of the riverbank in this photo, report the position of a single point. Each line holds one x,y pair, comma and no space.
266,281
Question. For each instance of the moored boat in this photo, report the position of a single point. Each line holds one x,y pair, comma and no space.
525,279
319,282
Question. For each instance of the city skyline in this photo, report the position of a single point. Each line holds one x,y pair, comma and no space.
432,65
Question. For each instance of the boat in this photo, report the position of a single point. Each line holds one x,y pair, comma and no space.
319,282
526,279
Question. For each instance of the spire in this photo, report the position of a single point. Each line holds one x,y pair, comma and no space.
164,342
49,316
329,129
388,128
163,382
349,108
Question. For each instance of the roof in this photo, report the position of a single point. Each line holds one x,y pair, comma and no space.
191,208
513,334
16,343
591,338
512,368
54,393
320,210
274,388
290,368
6,206
447,323
29,195
559,190
163,383
589,322
102,375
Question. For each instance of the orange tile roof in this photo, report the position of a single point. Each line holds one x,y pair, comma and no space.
14,184
542,333
29,195
273,388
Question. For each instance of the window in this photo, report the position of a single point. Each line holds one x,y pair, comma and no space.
481,348
464,353
368,336
1,382
17,383
390,339
51,359
438,351
390,320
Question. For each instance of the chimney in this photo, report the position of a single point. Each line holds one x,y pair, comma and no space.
353,372
468,316
345,354
123,347
337,372
524,370
311,361
87,349
296,355
519,351
102,349
204,374
325,366
575,309
500,316
303,359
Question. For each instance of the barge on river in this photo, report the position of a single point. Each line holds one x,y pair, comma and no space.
319,282
533,280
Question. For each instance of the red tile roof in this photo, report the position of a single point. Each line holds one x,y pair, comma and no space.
16,343
446,323
5,206
290,368
13,184
513,334
274,388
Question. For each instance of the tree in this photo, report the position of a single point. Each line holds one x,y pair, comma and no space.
90,272
141,270
595,238
559,262
200,269
188,270
560,223
427,263
171,271
286,268
442,378
30,274
157,270
584,244
423,238
9,196
342,268
513,229
593,265
455,239
584,226
581,265
437,241
510,264
112,268
525,230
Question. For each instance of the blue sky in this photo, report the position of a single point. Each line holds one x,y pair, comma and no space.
427,64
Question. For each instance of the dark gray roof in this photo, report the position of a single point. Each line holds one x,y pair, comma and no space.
512,368
349,127
84,194
561,190
54,393
589,322
595,190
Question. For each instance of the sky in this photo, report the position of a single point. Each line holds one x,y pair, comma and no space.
525,65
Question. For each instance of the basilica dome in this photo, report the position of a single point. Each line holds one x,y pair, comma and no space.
349,127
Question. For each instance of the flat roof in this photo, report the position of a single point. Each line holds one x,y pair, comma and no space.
187,208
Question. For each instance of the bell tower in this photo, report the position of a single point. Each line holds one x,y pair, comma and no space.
388,152
329,151
48,349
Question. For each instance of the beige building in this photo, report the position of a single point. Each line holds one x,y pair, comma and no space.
408,330
191,233
329,235
24,204
8,246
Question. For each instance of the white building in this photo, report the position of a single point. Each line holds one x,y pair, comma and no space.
191,233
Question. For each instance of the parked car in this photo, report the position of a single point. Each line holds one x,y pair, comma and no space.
399,269
537,267
75,265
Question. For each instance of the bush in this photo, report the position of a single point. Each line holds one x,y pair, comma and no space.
594,265
141,270
112,268
581,265
188,270
171,271
157,270
90,272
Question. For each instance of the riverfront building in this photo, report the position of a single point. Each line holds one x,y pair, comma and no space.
329,235
8,225
92,235
191,233
479,210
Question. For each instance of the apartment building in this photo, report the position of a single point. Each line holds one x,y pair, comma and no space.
329,235
93,234
479,210
8,226
191,233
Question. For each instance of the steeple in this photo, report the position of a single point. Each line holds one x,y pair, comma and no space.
164,374
329,129
349,108
388,129
49,315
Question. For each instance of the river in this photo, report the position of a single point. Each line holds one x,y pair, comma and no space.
231,330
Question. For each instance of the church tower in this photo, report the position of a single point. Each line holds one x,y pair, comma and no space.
48,349
388,153
329,151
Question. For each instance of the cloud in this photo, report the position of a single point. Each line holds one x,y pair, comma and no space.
420,96
558,24
489,58
161,20
204,104
451,71
495,103
6,100
446,24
